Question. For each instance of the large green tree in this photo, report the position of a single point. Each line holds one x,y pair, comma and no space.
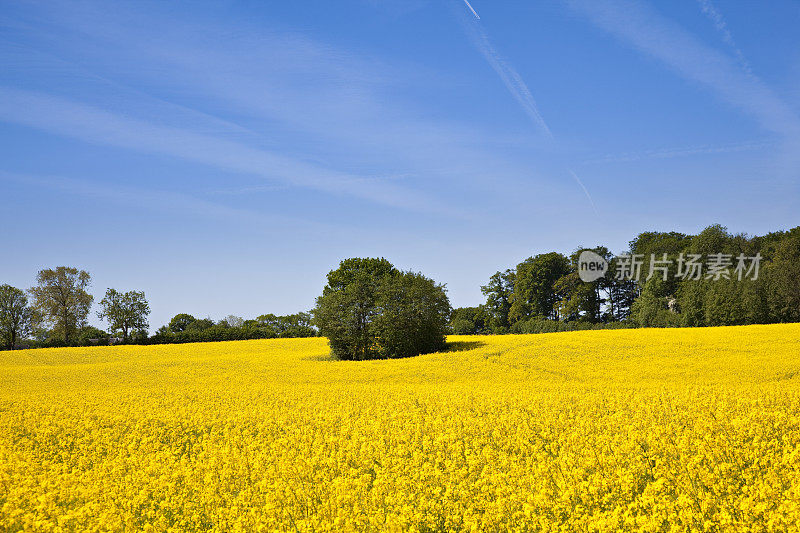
783,280
369,310
578,299
125,312
535,294
652,245
16,317
347,307
618,293
357,269
61,298
498,294
412,313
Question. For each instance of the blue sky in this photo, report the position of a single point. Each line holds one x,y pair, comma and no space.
224,156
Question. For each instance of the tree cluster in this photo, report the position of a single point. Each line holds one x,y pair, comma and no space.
371,310
545,293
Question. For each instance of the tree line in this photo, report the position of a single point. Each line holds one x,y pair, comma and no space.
369,309
544,293
55,312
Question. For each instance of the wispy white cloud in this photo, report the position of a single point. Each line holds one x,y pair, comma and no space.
90,124
299,97
641,26
169,202
667,153
237,191
141,200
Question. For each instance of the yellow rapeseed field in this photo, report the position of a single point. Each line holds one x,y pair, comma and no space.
650,430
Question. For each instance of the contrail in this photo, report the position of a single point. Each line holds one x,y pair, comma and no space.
715,16
514,83
585,190
473,11
510,77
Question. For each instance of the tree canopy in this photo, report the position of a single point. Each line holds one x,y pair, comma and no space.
370,310
125,312
16,317
60,296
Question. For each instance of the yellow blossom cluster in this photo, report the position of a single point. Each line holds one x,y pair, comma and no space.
647,430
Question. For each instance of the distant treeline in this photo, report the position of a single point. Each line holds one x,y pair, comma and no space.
710,279
182,328
186,328
55,313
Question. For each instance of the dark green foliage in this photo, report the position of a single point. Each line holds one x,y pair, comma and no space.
180,322
200,324
580,300
17,318
651,308
653,243
657,302
534,286
498,294
355,270
411,316
92,336
348,306
541,325
370,310
472,321
185,328
296,325
783,280
126,313
60,298
620,293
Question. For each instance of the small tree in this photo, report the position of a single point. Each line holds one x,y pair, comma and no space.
125,311
60,297
16,318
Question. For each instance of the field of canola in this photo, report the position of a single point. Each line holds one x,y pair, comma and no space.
650,430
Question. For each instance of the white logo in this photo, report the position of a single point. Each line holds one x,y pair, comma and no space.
591,266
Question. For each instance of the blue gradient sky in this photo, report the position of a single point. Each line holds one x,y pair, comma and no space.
224,156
